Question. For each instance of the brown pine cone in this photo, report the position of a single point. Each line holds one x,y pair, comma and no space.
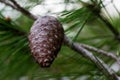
45,38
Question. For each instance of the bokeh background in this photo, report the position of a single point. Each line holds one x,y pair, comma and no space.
81,24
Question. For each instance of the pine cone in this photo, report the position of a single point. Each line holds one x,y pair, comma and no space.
45,38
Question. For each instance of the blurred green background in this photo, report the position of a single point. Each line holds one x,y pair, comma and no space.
82,23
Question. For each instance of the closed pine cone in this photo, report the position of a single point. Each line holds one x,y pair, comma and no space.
45,38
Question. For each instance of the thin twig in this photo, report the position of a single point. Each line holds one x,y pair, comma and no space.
108,54
16,6
19,8
88,55
108,71
8,4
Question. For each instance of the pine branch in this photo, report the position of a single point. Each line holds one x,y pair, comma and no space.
75,46
19,8
8,4
88,55
108,54
16,6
